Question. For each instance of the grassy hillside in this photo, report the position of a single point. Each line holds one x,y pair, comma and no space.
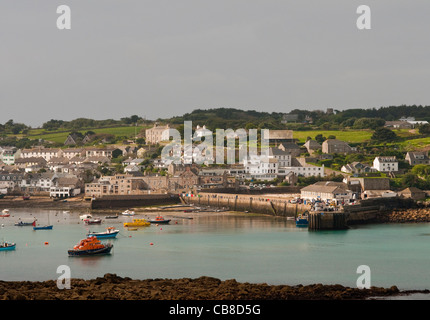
61,136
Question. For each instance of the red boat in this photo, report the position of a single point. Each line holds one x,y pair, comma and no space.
93,221
5,213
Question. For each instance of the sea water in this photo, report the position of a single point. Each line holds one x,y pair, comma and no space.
256,249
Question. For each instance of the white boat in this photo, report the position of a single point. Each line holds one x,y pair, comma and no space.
5,211
85,216
128,213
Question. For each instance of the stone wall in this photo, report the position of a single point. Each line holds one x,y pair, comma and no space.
108,202
266,204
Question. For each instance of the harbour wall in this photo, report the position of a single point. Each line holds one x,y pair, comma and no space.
112,202
276,205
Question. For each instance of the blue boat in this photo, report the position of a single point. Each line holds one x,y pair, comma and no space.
43,228
108,234
302,222
7,246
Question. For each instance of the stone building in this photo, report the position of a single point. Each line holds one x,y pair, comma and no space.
336,146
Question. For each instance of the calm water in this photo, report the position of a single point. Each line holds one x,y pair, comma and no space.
249,249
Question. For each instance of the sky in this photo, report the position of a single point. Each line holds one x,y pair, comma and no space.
163,58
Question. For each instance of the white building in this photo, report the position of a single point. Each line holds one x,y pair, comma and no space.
7,155
283,157
386,164
305,171
40,152
262,168
327,191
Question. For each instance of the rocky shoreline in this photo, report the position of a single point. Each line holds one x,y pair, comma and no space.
113,287
404,216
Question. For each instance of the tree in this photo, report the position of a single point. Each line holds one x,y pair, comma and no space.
384,135
424,129
319,138
421,170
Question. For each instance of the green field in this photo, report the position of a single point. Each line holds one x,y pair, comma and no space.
61,137
354,136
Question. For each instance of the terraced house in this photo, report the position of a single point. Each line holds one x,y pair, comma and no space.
41,152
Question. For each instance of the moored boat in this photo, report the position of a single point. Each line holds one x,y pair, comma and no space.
111,217
5,213
159,219
22,224
45,227
128,213
93,221
302,221
7,246
89,247
137,223
85,216
110,232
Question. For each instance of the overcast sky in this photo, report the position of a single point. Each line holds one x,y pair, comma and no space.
160,58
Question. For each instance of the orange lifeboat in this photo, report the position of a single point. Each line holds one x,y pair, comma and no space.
90,246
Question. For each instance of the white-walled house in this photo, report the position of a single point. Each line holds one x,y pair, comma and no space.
262,168
283,157
386,164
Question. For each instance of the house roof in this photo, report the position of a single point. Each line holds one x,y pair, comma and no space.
411,190
279,134
312,144
386,159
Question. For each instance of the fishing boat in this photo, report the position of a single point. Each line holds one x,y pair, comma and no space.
110,232
22,224
302,221
159,219
93,221
137,223
7,246
128,213
89,247
5,213
111,217
45,227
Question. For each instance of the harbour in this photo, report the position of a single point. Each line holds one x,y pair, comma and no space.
225,245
